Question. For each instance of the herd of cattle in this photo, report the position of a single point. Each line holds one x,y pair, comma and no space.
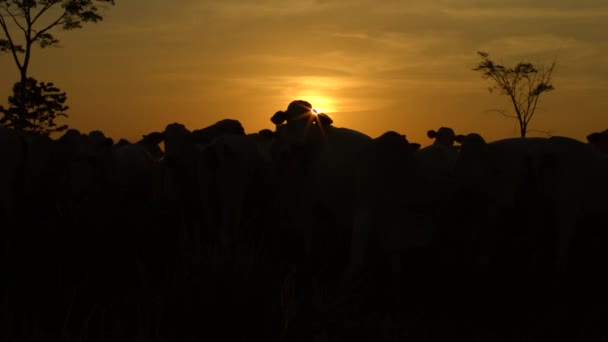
308,173
330,198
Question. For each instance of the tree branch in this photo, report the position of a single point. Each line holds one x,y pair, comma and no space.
50,26
10,42
13,16
46,7
515,106
502,112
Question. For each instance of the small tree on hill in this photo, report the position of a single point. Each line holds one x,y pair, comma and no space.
41,102
523,84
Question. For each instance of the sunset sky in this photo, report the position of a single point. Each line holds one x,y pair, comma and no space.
373,66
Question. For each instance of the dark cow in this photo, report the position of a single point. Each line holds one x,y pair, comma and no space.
190,163
436,163
385,188
238,172
525,213
136,168
434,169
536,191
85,158
599,140
316,167
444,136
13,150
223,127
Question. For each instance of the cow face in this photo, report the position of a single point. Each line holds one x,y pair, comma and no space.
444,136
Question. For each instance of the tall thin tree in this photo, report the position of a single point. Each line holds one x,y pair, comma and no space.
523,84
33,21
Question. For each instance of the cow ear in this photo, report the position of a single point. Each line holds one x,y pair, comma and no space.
593,138
459,138
431,134
324,119
279,117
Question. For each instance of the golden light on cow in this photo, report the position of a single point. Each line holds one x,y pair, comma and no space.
320,104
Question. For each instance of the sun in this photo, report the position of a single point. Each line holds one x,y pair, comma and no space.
321,92
320,104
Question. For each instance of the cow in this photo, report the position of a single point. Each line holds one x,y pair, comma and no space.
443,136
526,210
85,161
14,154
599,140
435,165
237,184
538,190
316,168
136,166
191,160
385,237
206,135
182,146
433,170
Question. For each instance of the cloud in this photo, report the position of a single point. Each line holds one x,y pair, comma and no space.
365,55
527,12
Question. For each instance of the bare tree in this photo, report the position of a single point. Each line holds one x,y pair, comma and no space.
523,84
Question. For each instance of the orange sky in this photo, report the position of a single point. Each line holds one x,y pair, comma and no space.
373,66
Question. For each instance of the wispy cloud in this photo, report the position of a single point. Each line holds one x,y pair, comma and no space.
535,13
364,55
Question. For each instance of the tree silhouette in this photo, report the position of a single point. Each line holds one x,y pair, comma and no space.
523,84
34,20
42,102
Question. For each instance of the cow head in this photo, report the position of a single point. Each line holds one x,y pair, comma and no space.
396,142
472,142
444,136
297,110
298,125
151,144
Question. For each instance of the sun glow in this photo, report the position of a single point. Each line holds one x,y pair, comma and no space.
320,92
320,104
